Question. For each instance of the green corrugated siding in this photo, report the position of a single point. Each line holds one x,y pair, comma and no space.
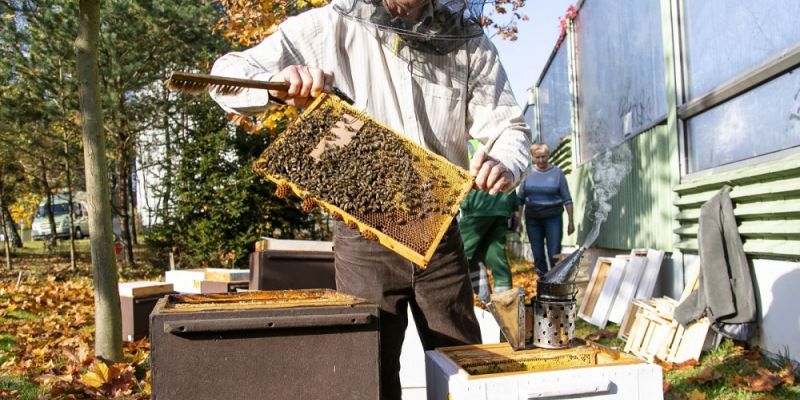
766,200
642,211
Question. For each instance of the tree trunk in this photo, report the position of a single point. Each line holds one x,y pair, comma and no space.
123,174
6,239
167,165
48,206
132,208
16,237
108,321
71,206
72,263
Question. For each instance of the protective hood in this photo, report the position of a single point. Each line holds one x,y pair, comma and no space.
444,26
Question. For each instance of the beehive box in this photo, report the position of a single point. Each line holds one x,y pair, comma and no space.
497,372
366,175
299,344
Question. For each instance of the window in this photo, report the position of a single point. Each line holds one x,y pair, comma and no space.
554,100
724,38
763,120
529,119
621,79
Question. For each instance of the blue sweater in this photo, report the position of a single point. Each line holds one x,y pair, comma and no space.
544,194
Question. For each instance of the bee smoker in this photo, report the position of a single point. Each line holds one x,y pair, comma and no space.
554,307
549,321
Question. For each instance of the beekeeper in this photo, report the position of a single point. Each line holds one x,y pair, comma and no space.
426,69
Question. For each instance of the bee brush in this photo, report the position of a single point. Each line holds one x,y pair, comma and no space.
188,82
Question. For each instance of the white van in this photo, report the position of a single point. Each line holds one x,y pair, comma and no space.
60,206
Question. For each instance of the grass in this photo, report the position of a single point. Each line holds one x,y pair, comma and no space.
7,345
18,388
37,248
721,373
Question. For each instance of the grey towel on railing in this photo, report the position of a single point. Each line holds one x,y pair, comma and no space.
725,289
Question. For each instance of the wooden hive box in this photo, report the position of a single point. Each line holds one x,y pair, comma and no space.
497,372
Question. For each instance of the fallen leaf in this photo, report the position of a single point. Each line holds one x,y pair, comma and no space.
787,374
763,381
697,395
667,366
96,376
709,374
601,334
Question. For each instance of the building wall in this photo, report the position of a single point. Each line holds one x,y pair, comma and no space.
776,284
642,211
658,202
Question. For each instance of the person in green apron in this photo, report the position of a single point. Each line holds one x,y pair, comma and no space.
484,224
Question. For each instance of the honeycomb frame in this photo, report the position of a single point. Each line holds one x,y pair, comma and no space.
411,230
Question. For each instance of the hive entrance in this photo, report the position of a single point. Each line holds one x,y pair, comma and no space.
363,173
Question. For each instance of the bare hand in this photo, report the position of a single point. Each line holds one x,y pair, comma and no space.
305,83
490,174
570,228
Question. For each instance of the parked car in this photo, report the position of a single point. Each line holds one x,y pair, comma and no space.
60,207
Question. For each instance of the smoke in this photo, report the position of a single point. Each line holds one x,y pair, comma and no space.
608,170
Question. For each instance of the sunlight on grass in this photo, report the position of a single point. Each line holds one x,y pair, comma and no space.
37,247
728,365
7,343
18,388
20,314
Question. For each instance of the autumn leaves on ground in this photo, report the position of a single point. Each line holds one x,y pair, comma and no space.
46,344
47,339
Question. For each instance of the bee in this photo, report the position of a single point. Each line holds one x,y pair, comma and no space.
282,191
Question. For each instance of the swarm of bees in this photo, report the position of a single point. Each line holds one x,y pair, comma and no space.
376,177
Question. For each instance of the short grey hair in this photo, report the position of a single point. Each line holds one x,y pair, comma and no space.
540,147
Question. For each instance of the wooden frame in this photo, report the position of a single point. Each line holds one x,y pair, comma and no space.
609,291
628,286
644,290
596,282
652,331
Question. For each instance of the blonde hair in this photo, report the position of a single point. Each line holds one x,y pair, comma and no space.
536,147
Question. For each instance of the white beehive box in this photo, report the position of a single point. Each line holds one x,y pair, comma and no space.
538,374
188,280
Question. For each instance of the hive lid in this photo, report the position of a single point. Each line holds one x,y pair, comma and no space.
144,288
259,300
375,180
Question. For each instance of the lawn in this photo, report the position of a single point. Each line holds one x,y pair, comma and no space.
46,344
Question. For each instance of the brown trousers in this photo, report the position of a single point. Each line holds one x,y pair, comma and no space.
440,296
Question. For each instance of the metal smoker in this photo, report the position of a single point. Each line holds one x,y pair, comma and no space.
549,321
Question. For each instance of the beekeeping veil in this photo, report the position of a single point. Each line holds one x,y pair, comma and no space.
444,26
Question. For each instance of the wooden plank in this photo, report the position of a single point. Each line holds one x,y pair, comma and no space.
595,286
606,299
627,321
632,274
689,344
648,282
693,281
143,288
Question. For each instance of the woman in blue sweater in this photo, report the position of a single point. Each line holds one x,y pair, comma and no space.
545,195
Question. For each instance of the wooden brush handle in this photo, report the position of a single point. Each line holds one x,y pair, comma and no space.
221,80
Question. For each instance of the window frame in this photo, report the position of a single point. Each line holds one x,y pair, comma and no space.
732,88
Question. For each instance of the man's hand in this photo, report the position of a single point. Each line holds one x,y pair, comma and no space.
305,83
490,175
570,228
